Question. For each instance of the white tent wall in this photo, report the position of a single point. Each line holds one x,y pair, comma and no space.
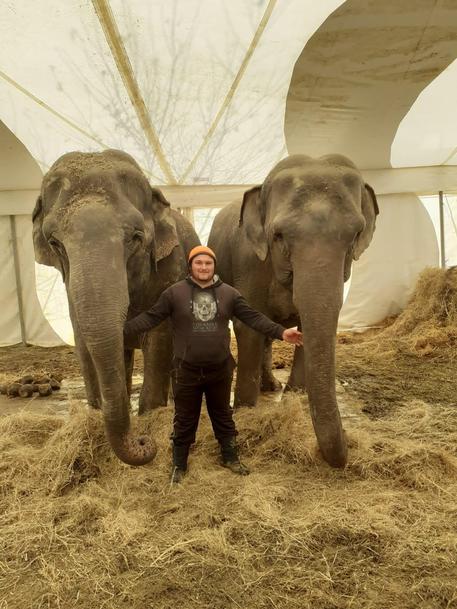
432,205
404,243
37,329
10,326
22,319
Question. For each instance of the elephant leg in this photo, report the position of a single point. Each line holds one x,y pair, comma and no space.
250,353
93,394
157,354
129,357
296,380
267,381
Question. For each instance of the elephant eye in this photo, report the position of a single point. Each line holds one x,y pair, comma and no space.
58,248
281,243
136,240
138,236
54,243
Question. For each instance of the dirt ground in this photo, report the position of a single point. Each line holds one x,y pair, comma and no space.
382,383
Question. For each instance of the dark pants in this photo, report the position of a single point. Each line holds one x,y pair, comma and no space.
189,383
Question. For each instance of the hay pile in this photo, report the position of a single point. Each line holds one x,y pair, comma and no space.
80,529
428,325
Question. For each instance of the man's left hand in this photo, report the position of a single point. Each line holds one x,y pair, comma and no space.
293,336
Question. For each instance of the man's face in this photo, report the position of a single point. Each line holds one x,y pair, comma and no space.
202,268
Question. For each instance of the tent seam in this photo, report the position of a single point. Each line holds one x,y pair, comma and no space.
231,92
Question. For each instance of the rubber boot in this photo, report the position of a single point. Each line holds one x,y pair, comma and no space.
231,458
179,468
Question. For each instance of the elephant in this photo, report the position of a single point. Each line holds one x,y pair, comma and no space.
118,245
288,247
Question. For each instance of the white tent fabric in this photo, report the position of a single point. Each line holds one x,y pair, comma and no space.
35,327
450,225
75,69
383,280
208,95
22,319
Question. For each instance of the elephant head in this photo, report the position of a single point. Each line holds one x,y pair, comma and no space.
101,224
313,217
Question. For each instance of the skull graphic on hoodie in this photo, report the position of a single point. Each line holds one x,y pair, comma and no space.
204,309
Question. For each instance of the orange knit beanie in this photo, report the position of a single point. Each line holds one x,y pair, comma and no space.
201,249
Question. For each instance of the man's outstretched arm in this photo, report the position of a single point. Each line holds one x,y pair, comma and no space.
263,324
151,318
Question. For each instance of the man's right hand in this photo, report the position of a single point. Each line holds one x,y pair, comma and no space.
293,336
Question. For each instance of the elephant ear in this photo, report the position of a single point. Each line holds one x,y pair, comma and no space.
370,210
43,253
252,219
165,234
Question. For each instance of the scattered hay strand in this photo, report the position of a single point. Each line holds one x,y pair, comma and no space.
80,529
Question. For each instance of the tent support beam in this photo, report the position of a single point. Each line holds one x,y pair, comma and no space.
17,272
442,241
121,58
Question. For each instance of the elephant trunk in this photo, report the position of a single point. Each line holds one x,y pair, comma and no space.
99,294
318,296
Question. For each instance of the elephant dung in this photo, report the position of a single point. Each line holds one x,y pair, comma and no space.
13,389
55,385
27,379
42,380
26,390
44,389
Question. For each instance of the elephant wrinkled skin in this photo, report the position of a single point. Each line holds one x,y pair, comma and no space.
288,248
118,245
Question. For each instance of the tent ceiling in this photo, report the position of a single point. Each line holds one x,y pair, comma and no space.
196,91
202,70
361,72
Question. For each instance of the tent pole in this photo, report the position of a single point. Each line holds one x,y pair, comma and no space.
442,243
17,271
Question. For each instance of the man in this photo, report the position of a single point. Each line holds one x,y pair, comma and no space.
200,308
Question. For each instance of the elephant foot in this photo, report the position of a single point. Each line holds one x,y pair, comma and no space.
295,388
146,408
270,383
